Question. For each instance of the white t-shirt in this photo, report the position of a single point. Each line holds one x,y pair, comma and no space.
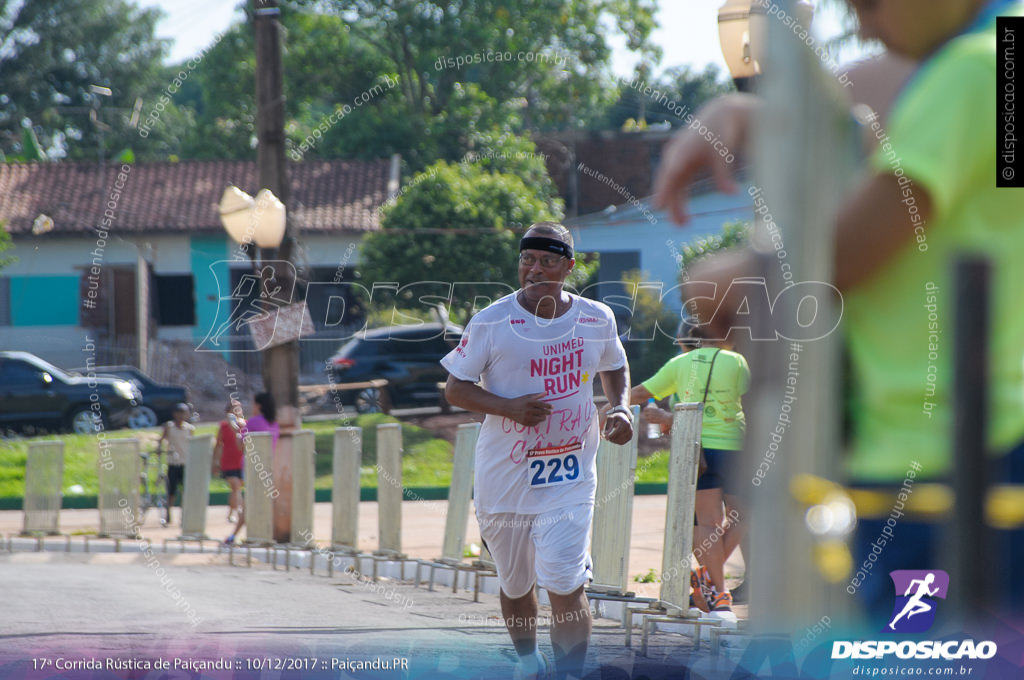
512,352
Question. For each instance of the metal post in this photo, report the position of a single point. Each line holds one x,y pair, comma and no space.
969,536
348,455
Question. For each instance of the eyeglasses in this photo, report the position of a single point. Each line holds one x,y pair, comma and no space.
546,261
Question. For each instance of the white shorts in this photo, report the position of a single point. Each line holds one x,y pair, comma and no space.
551,549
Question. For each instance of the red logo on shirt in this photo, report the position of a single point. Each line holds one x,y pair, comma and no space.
589,319
515,321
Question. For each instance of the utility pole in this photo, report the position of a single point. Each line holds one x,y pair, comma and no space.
280,362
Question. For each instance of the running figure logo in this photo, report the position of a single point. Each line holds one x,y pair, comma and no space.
915,608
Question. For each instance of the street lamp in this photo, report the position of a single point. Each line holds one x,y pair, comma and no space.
248,220
742,30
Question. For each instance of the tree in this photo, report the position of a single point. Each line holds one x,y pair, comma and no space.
52,52
222,91
680,91
524,65
460,223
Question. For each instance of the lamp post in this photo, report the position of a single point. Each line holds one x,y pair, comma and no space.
261,223
742,30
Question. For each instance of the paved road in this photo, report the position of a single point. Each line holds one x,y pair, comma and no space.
129,608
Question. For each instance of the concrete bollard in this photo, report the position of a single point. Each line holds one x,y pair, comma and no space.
682,496
389,488
44,481
613,513
348,456
196,495
460,494
259,488
303,486
120,468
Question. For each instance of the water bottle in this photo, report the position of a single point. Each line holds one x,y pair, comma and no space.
653,429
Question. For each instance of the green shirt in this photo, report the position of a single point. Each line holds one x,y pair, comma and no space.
900,323
687,375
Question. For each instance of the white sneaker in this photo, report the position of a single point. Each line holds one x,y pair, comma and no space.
539,669
726,616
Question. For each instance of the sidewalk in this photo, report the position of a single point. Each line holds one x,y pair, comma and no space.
422,531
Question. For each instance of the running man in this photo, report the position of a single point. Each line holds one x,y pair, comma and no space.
528,361
914,604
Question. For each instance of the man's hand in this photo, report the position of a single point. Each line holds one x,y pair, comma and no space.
617,428
528,409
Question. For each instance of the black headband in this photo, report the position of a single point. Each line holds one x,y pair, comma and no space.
543,243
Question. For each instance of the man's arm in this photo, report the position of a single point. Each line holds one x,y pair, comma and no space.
618,427
528,409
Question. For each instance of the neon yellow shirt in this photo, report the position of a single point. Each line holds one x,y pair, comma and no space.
687,375
900,323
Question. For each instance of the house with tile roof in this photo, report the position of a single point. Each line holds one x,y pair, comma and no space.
88,238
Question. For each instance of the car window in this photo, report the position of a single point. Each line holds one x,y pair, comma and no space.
19,374
414,342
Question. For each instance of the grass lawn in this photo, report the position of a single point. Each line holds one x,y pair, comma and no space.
427,461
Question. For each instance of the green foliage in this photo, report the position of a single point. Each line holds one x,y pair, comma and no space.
734,234
686,87
461,223
5,244
650,577
52,51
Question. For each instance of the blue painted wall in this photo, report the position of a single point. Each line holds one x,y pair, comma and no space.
44,300
658,239
206,250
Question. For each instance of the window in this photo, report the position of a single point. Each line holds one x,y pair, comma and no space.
19,374
175,300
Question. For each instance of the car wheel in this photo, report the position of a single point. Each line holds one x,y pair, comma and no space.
142,416
368,401
85,421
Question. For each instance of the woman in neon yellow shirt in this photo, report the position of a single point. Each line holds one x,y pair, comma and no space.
712,374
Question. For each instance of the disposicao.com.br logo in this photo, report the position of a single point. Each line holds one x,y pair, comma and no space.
914,612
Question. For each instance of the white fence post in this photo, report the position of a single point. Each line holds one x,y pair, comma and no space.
259,506
348,456
120,468
303,486
679,512
44,479
196,496
389,488
460,493
613,513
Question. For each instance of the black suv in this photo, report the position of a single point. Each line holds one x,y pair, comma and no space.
37,397
406,356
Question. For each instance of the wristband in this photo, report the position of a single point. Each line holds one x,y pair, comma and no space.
623,410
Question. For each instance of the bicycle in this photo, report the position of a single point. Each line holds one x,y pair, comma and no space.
148,498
